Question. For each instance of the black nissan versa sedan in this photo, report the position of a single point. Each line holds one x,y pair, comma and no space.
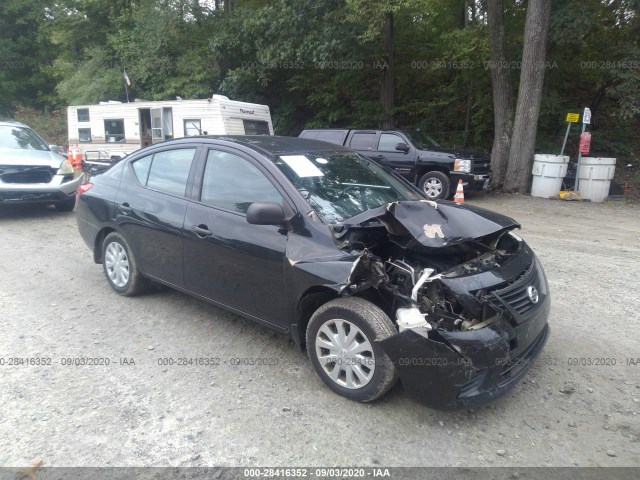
326,246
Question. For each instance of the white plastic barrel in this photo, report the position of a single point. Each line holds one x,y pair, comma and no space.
595,177
548,172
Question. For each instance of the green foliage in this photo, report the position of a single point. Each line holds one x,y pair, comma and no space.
91,81
24,51
51,126
318,63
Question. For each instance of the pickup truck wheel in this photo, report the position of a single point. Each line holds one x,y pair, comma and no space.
435,185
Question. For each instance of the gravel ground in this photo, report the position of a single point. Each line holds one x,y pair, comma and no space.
55,304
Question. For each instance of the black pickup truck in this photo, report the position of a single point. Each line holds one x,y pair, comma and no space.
418,158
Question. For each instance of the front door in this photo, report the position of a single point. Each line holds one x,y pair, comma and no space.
226,259
386,154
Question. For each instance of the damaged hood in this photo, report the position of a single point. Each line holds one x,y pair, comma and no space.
416,224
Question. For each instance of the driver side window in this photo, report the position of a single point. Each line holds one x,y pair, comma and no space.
233,183
388,142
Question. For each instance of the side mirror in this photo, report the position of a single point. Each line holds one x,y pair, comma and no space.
267,213
402,147
55,149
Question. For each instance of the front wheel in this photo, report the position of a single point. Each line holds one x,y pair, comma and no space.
435,185
342,344
120,266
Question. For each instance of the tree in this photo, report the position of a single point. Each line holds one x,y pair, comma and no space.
24,53
525,125
388,85
502,93
380,14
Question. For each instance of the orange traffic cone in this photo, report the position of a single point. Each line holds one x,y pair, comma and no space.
459,196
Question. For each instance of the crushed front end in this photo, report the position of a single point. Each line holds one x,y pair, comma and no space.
471,311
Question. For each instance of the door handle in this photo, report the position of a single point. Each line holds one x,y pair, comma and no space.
378,157
201,231
125,208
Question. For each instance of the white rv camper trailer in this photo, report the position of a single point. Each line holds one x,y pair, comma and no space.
112,130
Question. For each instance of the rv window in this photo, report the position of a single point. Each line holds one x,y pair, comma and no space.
254,127
84,135
231,182
170,170
114,131
192,127
83,114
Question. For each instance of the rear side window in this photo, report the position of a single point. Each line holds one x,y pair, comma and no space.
167,171
331,137
233,183
141,168
362,141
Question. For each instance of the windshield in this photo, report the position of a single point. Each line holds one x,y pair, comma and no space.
21,138
420,140
339,185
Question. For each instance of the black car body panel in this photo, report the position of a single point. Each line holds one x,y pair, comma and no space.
485,329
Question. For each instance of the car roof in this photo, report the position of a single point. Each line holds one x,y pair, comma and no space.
271,145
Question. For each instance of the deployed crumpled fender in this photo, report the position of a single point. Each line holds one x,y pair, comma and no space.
417,224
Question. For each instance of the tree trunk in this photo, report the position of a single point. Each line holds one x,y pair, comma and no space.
525,125
387,88
502,93
469,19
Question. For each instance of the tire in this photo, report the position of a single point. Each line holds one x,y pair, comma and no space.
435,185
371,324
120,267
66,205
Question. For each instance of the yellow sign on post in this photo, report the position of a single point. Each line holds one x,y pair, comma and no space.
573,117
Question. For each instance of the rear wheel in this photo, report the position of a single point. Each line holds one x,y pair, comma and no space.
120,266
435,185
66,205
342,344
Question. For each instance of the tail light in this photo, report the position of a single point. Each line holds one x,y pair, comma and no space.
84,187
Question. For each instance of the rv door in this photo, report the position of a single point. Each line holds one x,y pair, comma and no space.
157,132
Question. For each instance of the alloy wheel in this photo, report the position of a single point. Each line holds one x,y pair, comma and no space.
432,187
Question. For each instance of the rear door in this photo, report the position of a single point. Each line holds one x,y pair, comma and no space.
226,259
363,141
150,209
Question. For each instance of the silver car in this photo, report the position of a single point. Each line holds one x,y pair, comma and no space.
32,172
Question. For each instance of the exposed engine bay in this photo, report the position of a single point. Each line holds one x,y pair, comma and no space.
410,270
